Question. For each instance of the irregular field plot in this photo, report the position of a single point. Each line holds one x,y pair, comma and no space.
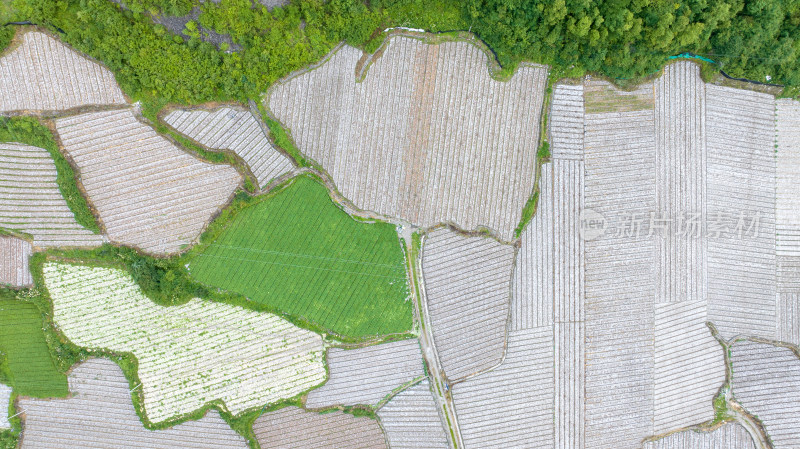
299,253
367,375
408,142
295,428
100,414
44,74
148,192
411,420
31,202
27,356
189,354
235,130
728,436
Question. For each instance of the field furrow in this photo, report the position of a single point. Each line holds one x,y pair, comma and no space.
100,414
367,375
236,130
468,289
411,420
189,354
406,143
42,74
295,428
148,192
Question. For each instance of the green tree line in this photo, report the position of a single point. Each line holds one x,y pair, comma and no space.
621,39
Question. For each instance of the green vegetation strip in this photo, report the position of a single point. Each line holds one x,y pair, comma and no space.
29,131
27,365
297,252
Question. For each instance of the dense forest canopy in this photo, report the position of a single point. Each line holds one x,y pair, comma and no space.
622,39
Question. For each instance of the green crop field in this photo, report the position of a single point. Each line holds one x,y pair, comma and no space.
297,252
26,357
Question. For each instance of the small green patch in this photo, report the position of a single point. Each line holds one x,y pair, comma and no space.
297,252
6,36
361,411
721,412
27,365
527,214
28,131
282,140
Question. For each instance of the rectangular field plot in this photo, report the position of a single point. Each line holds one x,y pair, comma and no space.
787,198
31,202
5,400
368,375
43,74
27,356
468,289
298,252
14,256
411,420
236,130
741,191
295,428
406,142
149,193
100,414
188,354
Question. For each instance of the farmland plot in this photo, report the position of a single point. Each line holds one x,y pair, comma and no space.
742,191
297,252
566,122
43,74
406,142
787,221
149,193
243,358
512,405
602,97
5,401
766,382
27,357
14,256
727,436
368,375
236,130
100,414
31,202
411,420
619,285
468,289
295,428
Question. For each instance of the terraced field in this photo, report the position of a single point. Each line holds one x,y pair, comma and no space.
766,382
43,74
468,289
31,202
149,193
299,253
727,436
411,420
27,356
236,130
295,428
368,375
14,256
100,414
243,358
406,143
